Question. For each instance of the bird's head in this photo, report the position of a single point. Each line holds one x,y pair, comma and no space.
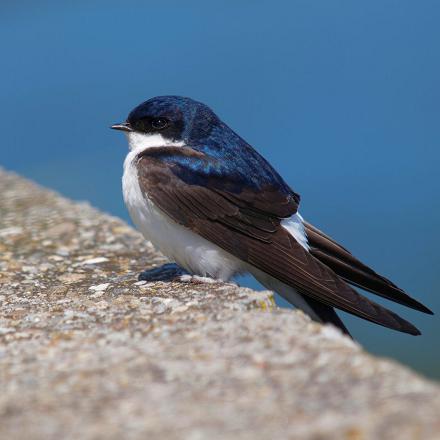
168,121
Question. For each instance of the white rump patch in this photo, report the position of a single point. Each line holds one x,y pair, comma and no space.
295,226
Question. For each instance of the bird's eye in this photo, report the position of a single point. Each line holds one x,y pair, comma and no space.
159,123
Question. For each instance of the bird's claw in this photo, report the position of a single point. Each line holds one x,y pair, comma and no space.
166,272
196,279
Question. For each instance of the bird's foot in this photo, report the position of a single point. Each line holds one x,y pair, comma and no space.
173,272
167,272
196,279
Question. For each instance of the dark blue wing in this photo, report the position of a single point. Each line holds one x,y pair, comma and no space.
251,183
246,222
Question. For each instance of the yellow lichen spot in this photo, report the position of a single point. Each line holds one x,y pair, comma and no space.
354,433
267,304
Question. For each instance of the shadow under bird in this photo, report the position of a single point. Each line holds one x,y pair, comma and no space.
211,203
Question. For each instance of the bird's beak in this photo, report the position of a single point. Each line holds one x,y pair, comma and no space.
125,126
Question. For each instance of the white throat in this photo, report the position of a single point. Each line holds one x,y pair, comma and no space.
141,141
178,243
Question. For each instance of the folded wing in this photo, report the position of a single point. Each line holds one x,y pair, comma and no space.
252,232
353,271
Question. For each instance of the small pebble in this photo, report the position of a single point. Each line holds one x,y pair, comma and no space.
99,287
13,230
5,330
96,260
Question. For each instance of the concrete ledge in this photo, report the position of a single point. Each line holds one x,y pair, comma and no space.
87,352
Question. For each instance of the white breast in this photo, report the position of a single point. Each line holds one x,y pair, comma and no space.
179,244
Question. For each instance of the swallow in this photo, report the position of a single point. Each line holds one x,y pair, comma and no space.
211,203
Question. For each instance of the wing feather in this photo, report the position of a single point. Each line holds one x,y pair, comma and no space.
355,272
255,236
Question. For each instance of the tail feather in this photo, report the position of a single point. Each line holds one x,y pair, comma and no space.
343,263
316,310
328,315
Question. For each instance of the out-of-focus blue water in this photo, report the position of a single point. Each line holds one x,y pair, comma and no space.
342,97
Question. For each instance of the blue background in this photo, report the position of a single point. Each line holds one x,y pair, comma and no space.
341,96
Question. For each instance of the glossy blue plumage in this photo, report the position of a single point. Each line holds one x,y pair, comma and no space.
229,158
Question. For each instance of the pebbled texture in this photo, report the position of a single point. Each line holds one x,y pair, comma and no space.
87,351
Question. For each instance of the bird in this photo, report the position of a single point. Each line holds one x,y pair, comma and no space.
214,206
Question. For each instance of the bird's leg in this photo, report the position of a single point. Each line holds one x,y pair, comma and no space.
196,279
166,272
172,272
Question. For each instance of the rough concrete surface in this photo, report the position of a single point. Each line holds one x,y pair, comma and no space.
88,352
